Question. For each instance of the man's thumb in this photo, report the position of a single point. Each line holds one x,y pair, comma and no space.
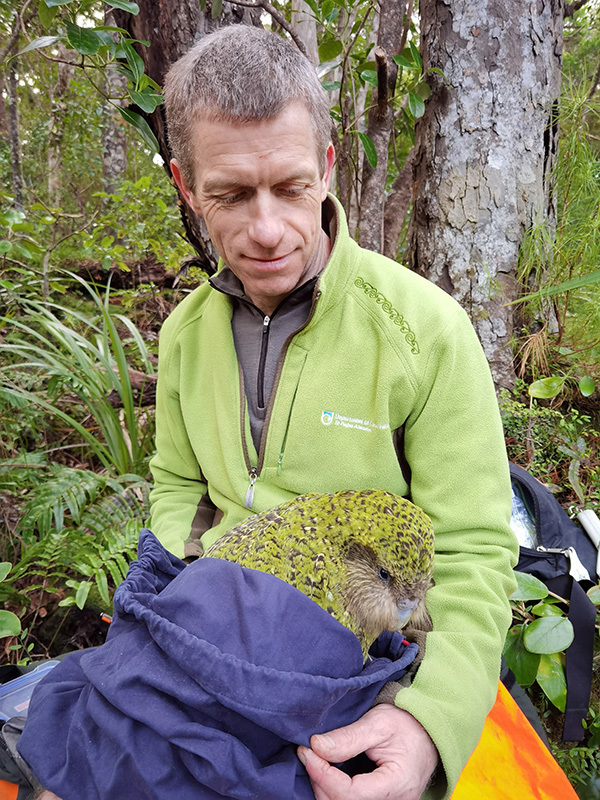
342,743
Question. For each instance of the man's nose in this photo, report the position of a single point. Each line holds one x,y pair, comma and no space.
266,222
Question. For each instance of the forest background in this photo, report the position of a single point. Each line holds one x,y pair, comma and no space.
468,147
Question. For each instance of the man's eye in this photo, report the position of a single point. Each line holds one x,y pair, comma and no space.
232,198
292,191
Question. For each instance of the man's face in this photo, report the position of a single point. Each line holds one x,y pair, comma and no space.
259,188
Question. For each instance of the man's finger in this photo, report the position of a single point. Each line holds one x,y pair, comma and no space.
325,783
330,783
371,730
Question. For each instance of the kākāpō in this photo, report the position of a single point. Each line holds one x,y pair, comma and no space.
365,556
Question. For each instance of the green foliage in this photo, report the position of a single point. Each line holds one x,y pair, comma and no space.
100,48
78,531
10,624
535,646
552,444
348,70
81,360
558,263
139,221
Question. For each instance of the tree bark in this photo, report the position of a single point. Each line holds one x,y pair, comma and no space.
15,142
58,94
305,28
4,129
380,127
172,28
484,152
396,207
114,138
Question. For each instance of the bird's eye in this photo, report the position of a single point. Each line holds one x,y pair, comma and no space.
384,574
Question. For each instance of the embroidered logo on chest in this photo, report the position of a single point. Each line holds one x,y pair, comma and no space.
393,313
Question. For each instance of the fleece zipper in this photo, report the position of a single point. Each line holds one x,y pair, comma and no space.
254,471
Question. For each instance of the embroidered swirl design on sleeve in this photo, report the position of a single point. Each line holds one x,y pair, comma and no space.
393,313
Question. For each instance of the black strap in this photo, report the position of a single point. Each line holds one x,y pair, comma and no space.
579,656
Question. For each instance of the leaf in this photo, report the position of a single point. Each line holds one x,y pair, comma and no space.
548,635
85,40
46,14
5,246
423,90
5,567
401,61
330,49
141,126
52,3
102,584
575,482
594,595
586,386
9,624
146,100
124,5
82,593
331,86
217,7
523,664
415,55
575,283
415,105
135,61
369,148
41,41
551,677
546,388
369,76
528,587
313,7
546,610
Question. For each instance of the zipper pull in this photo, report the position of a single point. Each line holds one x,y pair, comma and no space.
576,568
250,491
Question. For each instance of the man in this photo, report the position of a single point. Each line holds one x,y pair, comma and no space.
308,364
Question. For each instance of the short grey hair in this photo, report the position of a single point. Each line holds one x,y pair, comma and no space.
243,74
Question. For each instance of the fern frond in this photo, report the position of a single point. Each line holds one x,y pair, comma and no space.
67,490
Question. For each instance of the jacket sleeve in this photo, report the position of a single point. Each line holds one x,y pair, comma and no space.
455,447
179,503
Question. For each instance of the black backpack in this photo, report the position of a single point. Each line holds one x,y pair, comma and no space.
562,548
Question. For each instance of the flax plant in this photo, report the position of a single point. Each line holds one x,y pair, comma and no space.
81,360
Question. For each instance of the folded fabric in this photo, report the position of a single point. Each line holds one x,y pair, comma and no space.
210,677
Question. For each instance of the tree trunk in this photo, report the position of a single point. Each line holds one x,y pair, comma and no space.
396,207
381,124
58,93
4,129
484,151
15,143
172,28
305,28
114,138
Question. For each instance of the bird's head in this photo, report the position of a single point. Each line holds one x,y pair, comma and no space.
389,560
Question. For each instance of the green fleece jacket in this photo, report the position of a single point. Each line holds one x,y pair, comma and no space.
386,360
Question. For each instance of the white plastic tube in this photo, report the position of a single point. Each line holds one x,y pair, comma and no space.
591,525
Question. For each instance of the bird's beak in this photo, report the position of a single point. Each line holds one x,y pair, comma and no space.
405,612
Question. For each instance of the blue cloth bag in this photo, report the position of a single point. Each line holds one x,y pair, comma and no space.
210,677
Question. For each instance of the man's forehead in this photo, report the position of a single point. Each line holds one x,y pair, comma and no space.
230,153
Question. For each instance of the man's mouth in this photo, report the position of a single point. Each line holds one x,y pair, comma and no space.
276,262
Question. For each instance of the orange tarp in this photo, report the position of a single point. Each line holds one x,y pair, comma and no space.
8,791
511,762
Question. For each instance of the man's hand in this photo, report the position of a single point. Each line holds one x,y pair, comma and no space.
392,738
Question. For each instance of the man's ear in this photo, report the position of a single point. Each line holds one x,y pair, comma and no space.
181,182
329,162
